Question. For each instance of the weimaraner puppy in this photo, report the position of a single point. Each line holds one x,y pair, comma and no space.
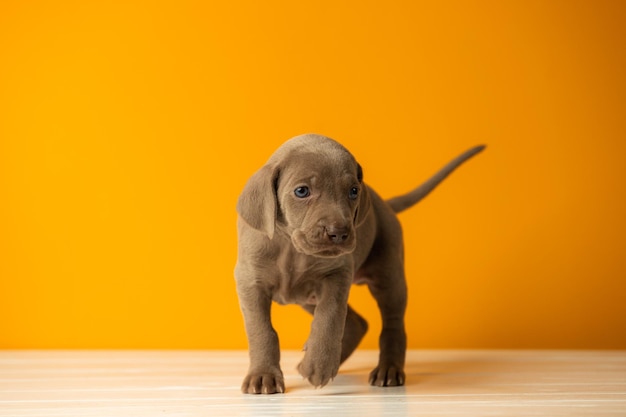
309,227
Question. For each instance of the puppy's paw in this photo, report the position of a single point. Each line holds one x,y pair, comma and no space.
318,372
270,382
387,376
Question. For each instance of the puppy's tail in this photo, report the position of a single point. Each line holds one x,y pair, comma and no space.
405,201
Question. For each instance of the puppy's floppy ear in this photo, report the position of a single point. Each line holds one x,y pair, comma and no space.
257,204
365,204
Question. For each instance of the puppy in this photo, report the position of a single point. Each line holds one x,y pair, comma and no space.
308,228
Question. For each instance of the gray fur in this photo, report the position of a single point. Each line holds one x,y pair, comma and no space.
309,251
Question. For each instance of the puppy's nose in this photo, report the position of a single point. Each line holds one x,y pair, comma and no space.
336,234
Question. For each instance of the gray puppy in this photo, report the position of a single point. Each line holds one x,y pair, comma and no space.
309,227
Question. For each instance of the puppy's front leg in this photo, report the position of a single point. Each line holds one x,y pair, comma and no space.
323,348
390,294
264,374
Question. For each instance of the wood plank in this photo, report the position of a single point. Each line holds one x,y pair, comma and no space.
188,383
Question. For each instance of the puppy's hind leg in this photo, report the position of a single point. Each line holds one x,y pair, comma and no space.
355,329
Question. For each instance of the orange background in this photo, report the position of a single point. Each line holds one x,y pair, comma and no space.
128,128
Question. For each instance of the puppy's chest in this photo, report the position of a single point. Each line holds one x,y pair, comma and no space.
300,278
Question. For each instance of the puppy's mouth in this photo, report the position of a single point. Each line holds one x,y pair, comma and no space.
322,248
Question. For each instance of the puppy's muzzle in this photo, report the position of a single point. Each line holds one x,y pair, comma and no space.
325,240
337,234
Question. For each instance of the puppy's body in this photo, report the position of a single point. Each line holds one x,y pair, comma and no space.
309,228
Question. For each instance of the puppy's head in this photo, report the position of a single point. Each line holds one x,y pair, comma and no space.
312,189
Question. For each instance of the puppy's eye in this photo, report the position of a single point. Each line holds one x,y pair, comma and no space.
354,193
302,192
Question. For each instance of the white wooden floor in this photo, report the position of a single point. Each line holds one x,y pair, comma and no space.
206,383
